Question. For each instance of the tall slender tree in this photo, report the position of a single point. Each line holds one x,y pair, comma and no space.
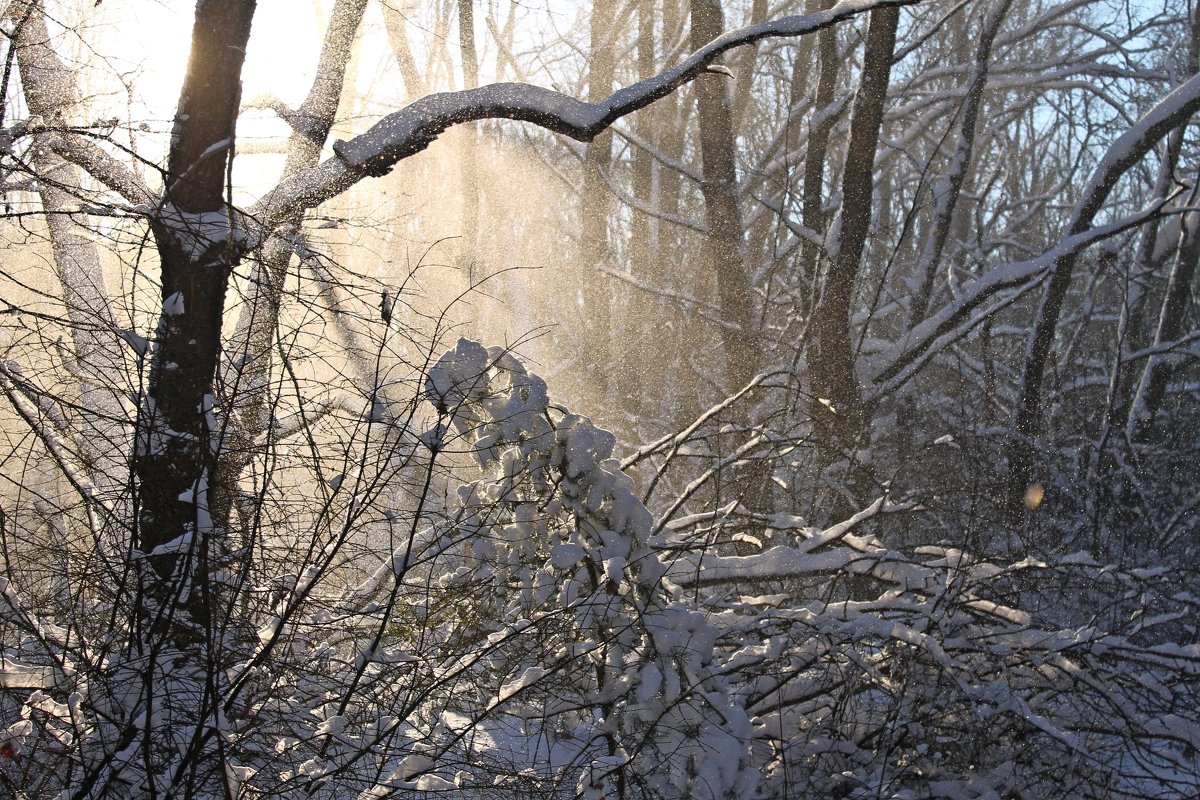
725,247
832,357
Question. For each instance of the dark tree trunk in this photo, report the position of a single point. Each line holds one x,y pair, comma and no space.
820,128
831,356
726,248
641,337
198,242
1152,388
684,325
947,190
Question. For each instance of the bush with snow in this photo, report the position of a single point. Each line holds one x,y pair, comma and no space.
538,634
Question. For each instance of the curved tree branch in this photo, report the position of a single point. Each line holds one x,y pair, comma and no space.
1171,112
102,166
413,128
962,316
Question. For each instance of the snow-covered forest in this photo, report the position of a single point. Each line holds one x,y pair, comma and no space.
763,399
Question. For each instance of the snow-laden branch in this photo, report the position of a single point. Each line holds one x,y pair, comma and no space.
102,166
414,127
813,555
958,318
1171,112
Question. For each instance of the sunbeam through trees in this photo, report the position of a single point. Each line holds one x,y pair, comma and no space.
615,399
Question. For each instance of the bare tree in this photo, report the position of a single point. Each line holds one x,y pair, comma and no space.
726,249
300,542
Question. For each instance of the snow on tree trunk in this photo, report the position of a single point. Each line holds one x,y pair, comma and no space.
199,239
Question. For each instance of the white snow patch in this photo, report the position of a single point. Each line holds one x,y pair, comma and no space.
564,556
139,343
173,305
201,232
529,677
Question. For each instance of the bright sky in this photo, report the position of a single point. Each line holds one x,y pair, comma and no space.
157,35
149,43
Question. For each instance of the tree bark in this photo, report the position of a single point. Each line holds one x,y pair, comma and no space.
726,248
831,359
596,206
685,326
468,138
820,127
640,351
198,239
1152,384
947,190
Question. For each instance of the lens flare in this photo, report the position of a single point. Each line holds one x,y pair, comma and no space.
1034,496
